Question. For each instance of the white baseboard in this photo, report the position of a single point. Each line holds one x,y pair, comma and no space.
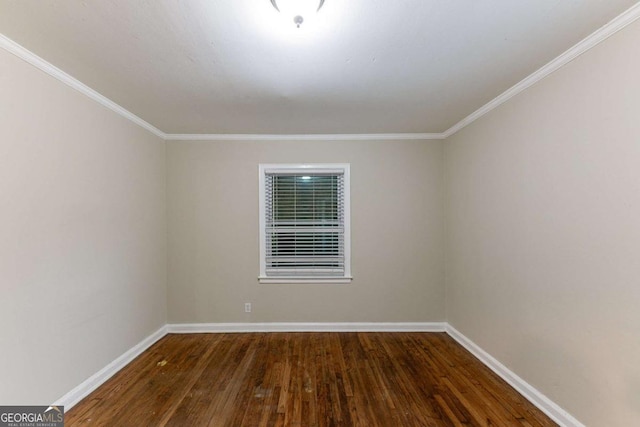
192,328
546,405
70,399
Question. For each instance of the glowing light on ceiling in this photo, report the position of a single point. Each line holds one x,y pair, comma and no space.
299,11
319,28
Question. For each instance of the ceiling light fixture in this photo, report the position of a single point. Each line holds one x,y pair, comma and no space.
297,8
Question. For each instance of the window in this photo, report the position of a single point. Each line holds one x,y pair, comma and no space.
304,224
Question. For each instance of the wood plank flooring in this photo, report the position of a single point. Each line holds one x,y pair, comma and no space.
306,379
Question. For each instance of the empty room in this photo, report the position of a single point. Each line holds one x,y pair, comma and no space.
320,213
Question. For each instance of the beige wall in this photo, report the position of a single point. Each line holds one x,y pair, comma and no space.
397,233
543,219
82,235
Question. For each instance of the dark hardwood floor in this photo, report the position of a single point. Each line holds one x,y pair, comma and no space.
306,379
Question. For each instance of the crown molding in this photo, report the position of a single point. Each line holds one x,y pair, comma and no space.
304,137
615,25
33,59
45,66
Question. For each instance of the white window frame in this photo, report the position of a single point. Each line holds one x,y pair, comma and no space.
341,168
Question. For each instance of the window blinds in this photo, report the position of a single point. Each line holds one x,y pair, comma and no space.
304,224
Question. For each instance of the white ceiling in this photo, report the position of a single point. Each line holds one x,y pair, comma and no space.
363,67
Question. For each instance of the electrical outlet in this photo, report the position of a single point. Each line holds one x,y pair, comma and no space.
247,307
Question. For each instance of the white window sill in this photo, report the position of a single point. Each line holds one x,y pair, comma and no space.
305,280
